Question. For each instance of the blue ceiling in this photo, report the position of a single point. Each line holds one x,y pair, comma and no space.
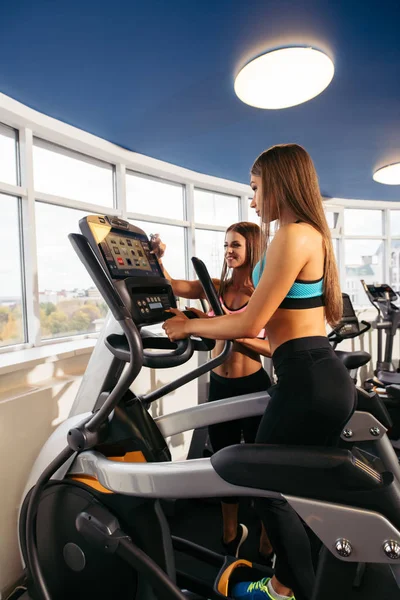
157,76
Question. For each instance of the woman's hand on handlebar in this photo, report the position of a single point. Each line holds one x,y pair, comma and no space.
199,313
177,327
157,245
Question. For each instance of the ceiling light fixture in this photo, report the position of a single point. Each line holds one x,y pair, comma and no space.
390,175
284,78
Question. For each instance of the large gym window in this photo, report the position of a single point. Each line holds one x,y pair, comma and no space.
394,251
364,259
151,196
69,302
67,174
8,155
216,209
395,222
210,248
363,222
11,286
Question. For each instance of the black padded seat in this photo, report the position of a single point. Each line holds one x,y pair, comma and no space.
371,403
388,378
353,360
320,473
394,391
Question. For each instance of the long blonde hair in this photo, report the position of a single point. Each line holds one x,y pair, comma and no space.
253,235
289,180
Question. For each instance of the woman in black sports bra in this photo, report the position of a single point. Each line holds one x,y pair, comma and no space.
314,396
242,372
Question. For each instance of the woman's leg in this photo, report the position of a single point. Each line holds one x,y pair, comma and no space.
222,435
311,414
259,382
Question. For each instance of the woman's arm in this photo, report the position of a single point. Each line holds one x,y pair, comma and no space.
262,347
181,287
286,257
191,290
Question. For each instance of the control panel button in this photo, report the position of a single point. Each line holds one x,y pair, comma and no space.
116,250
120,260
147,310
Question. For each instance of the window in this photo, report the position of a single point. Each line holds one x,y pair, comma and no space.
395,222
216,209
64,173
332,218
69,302
174,237
394,265
210,248
152,196
364,259
8,155
11,304
362,222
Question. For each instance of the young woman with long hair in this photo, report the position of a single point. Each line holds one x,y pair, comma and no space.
297,291
242,372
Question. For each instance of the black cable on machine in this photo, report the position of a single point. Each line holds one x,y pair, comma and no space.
31,548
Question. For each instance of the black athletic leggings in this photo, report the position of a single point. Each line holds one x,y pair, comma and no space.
309,406
229,433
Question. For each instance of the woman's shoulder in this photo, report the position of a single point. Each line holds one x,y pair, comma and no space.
298,233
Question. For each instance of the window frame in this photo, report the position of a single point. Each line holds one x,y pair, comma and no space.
29,124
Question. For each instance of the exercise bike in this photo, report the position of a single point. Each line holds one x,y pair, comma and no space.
386,380
91,524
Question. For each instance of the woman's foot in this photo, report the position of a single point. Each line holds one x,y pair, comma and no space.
256,590
232,547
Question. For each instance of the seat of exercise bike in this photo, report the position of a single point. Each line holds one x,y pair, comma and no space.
388,377
320,473
353,360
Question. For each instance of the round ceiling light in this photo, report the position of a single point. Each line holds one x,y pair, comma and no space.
284,78
390,175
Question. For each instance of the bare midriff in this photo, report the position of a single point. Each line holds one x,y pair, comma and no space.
239,363
287,325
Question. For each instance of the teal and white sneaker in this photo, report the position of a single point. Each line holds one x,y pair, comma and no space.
252,590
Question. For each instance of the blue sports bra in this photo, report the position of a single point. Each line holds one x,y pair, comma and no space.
302,294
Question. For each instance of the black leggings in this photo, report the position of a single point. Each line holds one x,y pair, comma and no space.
309,406
231,432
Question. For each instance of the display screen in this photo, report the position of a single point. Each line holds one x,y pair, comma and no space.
153,305
127,253
381,291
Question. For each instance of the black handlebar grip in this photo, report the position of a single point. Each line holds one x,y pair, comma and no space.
182,353
99,275
208,286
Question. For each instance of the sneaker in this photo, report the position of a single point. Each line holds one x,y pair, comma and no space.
247,590
232,548
252,590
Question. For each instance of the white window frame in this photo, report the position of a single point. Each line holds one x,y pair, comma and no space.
30,124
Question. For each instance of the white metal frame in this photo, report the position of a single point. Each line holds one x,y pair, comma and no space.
29,124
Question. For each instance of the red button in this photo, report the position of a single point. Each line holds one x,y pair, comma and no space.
120,260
